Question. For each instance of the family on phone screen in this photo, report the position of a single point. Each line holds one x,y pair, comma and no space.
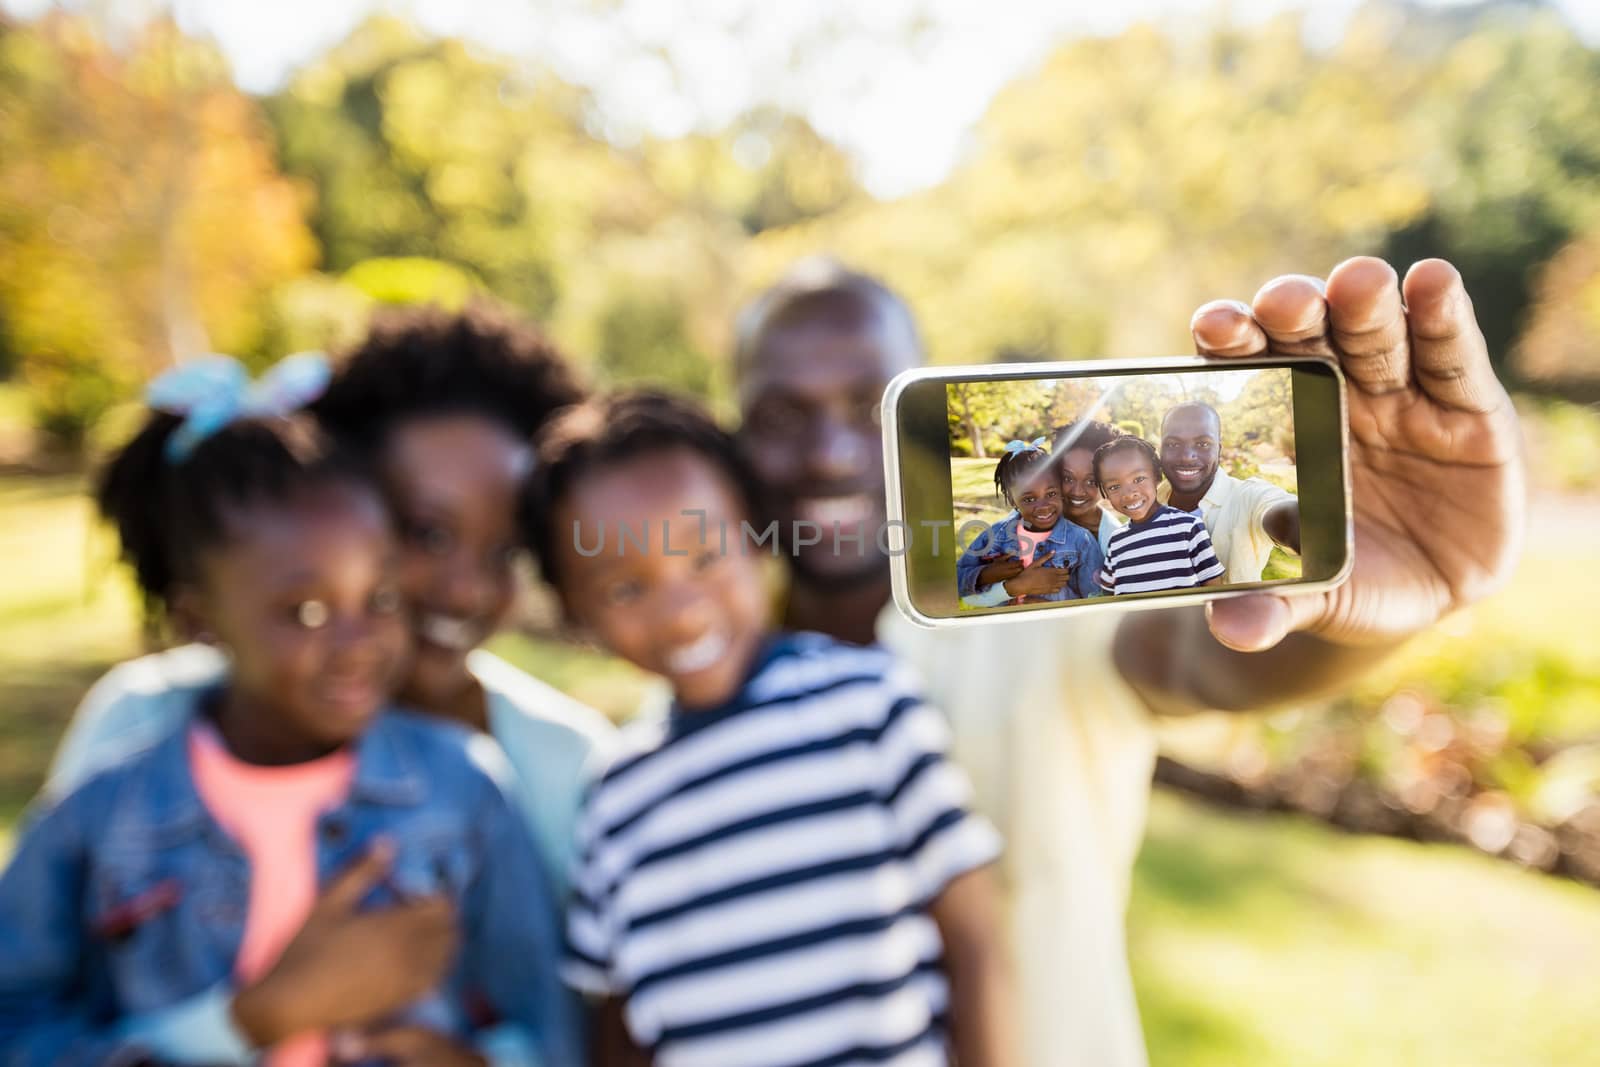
1113,514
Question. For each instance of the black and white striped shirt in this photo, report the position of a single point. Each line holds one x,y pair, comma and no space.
1170,549
754,881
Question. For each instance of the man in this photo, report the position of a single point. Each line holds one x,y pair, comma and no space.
1052,716
1245,518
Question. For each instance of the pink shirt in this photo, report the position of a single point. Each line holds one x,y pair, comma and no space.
1028,541
272,813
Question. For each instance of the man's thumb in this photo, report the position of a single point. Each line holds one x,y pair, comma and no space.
356,880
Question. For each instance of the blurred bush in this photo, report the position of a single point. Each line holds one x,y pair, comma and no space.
1564,439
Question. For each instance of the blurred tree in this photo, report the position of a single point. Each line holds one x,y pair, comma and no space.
142,217
316,311
1516,154
767,169
1131,178
1561,345
428,151
643,341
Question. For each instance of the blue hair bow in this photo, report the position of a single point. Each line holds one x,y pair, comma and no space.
212,391
1035,445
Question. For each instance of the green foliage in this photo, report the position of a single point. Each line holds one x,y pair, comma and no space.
985,415
768,169
1107,193
490,173
413,280
643,341
314,311
1518,156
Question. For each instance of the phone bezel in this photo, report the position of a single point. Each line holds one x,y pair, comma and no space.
899,573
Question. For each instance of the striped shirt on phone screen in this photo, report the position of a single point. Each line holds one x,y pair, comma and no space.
1169,549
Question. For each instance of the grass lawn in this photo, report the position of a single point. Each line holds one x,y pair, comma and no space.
65,613
1275,940
1263,940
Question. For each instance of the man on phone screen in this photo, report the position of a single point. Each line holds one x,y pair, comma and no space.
1051,714
1244,516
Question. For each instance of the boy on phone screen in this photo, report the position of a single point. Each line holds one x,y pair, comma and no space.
1160,547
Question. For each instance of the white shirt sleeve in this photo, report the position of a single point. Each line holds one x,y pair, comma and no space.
1264,496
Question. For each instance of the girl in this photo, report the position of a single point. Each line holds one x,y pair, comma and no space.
445,406
169,906
1036,554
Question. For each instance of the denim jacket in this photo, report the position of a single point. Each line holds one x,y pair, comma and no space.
1071,546
123,908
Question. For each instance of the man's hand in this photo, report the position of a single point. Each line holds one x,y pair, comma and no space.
346,967
1435,450
1007,566
1038,579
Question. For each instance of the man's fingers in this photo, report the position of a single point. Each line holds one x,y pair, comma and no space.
1448,354
1369,325
356,881
1288,316
1292,313
1227,328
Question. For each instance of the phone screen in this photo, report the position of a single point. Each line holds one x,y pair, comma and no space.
1072,485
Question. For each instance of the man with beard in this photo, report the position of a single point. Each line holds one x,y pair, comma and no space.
1051,716
1245,517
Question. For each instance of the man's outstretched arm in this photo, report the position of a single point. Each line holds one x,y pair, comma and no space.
1437,471
1282,524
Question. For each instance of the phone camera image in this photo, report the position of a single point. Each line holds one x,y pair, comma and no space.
1119,486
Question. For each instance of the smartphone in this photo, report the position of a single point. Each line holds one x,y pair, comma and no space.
1045,487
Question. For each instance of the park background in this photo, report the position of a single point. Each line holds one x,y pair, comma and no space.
1042,182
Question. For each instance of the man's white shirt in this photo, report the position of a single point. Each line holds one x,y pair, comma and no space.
1234,511
1060,751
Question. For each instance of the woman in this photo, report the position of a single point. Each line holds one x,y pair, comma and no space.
1081,499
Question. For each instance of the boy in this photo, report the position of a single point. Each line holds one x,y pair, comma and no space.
784,869
1161,547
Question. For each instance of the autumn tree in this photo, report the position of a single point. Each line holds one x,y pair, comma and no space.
142,215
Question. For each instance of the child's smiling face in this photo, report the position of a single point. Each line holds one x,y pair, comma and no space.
1128,479
695,615
304,595
1038,500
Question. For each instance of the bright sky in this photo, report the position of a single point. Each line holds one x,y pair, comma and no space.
898,83
1227,384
